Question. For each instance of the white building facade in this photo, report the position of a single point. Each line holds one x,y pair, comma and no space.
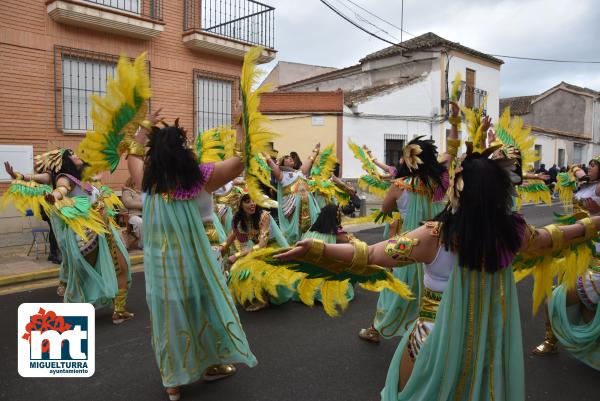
393,96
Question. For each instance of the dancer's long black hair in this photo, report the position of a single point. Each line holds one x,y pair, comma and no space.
254,219
430,172
328,220
169,163
484,226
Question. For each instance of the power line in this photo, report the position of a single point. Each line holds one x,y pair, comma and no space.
547,59
379,18
339,13
363,19
399,45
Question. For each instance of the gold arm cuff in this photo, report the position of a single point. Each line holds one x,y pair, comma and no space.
312,159
400,248
360,259
557,237
237,255
455,120
315,252
255,247
238,150
590,228
19,176
146,124
63,190
452,146
136,149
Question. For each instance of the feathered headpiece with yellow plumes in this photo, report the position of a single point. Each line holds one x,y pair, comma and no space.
215,145
50,161
116,116
257,136
512,134
474,127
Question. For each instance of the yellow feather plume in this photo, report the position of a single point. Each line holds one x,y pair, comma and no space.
564,268
258,137
455,87
251,278
215,145
116,116
474,128
390,283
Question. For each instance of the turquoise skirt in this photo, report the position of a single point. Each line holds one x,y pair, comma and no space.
194,322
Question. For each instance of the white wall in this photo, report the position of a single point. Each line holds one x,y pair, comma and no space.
486,78
550,147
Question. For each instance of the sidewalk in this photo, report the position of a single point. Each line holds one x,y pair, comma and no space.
16,267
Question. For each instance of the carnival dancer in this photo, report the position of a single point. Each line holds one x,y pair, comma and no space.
254,228
95,266
418,197
572,317
297,207
196,331
227,200
466,343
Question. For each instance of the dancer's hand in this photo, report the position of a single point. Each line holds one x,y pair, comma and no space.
50,198
155,117
232,259
9,170
298,251
454,108
590,205
486,123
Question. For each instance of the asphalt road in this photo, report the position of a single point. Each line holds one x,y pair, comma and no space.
303,355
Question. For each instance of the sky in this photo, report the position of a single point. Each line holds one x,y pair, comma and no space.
306,31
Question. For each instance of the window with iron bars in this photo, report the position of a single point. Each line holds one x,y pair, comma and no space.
213,99
77,75
394,143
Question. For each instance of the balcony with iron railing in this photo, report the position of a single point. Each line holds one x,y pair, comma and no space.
473,98
141,19
229,27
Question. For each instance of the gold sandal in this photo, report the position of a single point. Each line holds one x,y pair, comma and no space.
371,334
120,317
217,372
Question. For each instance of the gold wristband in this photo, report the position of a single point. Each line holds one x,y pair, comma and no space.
255,247
590,228
315,252
136,149
360,260
452,146
237,255
238,150
455,120
146,124
19,176
311,158
557,237
63,190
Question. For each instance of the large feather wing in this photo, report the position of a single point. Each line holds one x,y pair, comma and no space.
258,136
332,281
116,116
364,159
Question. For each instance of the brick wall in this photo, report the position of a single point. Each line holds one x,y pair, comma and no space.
28,37
302,102
27,40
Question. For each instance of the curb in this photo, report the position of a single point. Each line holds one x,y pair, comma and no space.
52,273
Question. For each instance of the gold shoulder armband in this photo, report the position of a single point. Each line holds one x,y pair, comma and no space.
400,248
